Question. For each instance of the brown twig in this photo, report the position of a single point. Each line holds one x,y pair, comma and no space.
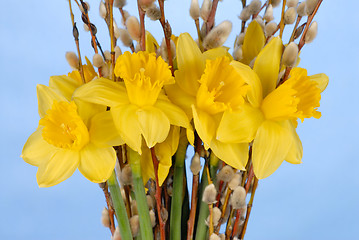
294,29
111,211
192,215
196,22
167,31
264,5
281,24
75,33
236,223
309,21
229,223
249,207
141,13
211,16
224,209
158,195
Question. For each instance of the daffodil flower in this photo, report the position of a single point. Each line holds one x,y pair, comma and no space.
70,136
191,63
267,117
138,105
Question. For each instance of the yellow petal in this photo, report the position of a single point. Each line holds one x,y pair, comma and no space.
214,53
270,147
104,92
103,131
240,125
154,125
87,110
204,124
147,170
60,167
97,163
46,97
175,114
295,153
36,150
322,80
180,98
253,42
64,84
254,93
126,121
267,65
234,154
151,43
191,64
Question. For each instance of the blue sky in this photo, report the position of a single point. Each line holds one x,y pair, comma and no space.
315,200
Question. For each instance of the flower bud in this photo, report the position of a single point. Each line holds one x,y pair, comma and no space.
302,9
133,28
118,52
290,54
238,198
125,37
225,174
105,218
105,71
254,7
270,28
235,181
124,18
311,4
102,10
134,209
311,33
164,214
146,3
206,9
290,15
116,234
119,3
196,164
149,202
72,59
239,39
216,216
245,14
218,35
135,225
268,16
164,51
126,175
238,53
86,27
214,237
275,3
116,30
107,58
292,3
153,12
209,194
153,218
194,9
97,60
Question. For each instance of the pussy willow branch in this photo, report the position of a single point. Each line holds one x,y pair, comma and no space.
167,33
111,211
141,13
281,24
76,37
211,16
158,195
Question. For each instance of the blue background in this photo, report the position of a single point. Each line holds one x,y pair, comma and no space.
315,200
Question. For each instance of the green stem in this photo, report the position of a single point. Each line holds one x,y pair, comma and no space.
213,166
177,196
201,230
120,208
143,212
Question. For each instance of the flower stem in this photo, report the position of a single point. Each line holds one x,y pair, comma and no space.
120,208
201,230
143,212
177,195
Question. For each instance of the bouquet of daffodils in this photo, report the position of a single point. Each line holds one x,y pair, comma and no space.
127,120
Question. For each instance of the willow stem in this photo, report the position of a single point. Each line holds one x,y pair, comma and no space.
120,209
249,207
177,195
143,212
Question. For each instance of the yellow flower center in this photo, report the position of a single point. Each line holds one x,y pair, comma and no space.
222,87
144,76
63,127
298,97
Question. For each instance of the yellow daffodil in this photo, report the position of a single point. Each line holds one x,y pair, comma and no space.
222,90
70,136
191,64
267,117
138,105
89,73
253,42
